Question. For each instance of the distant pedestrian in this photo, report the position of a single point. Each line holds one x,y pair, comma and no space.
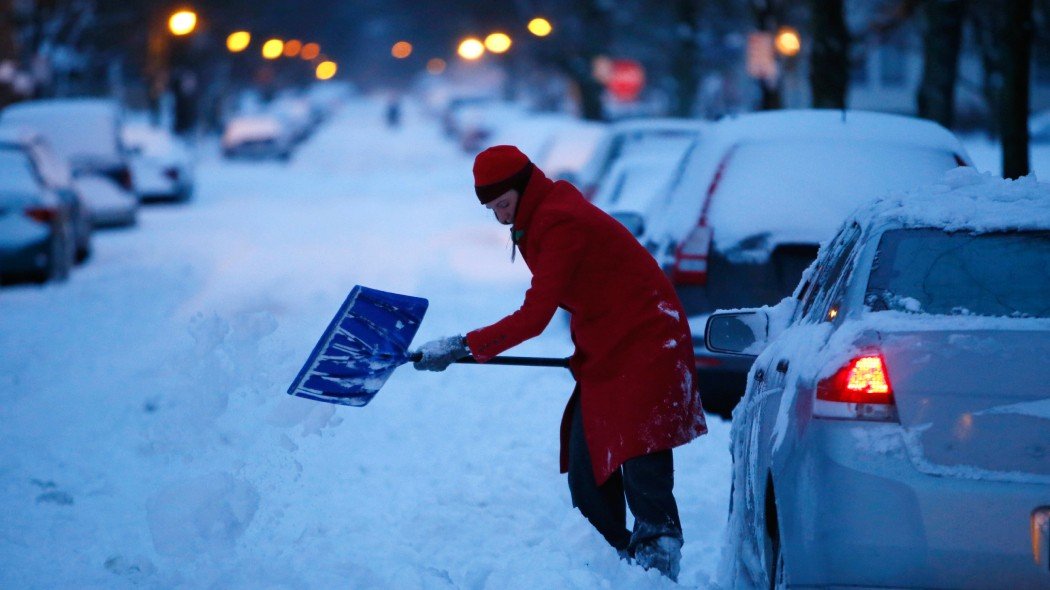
393,113
635,397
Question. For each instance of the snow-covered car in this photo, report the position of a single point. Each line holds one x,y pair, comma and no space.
569,149
759,195
297,114
161,163
55,174
256,136
895,432
36,231
84,131
628,137
632,189
110,205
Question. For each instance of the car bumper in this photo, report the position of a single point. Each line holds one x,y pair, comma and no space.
30,260
859,515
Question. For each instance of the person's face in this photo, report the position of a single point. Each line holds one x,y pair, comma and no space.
503,207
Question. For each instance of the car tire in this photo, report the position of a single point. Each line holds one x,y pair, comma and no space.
775,562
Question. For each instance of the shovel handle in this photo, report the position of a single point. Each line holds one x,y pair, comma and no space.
517,361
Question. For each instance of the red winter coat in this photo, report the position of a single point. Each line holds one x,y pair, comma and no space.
634,353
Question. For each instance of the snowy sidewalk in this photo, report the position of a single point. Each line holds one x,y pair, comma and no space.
147,439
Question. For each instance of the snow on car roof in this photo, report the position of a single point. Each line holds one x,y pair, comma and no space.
836,124
656,123
965,200
75,127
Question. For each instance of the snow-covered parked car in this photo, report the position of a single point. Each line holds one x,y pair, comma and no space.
629,137
110,204
896,427
85,131
36,229
161,163
569,148
632,189
759,195
256,136
55,175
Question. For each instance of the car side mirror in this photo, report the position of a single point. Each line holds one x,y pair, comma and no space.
737,332
634,222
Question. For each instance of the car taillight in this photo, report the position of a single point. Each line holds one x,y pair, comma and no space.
42,214
123,178
690,258
860,389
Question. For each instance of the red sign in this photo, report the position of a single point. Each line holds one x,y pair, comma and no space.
626,79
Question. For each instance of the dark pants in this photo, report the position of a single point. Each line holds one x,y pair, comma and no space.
645,482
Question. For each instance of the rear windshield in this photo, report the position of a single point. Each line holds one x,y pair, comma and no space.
17,176
935,272
799,190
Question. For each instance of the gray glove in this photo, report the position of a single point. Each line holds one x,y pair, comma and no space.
439,354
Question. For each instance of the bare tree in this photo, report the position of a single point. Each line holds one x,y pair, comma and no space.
829,58
685,61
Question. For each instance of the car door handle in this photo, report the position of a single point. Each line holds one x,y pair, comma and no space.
782,366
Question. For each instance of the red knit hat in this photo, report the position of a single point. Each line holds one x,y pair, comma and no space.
499,169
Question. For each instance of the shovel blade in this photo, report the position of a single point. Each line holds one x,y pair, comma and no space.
365,342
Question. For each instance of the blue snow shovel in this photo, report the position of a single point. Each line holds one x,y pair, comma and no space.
367,339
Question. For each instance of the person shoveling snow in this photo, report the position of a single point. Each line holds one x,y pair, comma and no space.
635,398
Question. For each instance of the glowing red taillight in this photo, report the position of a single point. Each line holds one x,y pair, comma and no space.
864,380
42,214
690,258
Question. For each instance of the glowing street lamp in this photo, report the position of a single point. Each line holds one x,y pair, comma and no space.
436,66
540,27
292,48
310,51
238,41
497,42
273,49
326,70
471,49
182,22
788,42
401,49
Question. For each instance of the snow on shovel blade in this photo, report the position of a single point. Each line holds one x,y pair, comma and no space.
365,342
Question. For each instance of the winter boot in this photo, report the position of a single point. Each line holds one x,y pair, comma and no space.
663,554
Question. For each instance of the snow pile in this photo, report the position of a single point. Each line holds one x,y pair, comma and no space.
148,440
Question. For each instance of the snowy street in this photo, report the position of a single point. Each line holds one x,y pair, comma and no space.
147,440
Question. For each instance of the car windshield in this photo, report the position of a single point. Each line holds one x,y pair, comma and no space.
17,175
935,272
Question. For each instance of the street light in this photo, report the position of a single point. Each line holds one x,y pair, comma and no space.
273,49
182,22
292,48
238,41
436,66
497,42
310,51
401,49
326,70
788,42
471,49
540,27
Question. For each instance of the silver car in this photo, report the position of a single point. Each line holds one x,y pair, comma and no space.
895,432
